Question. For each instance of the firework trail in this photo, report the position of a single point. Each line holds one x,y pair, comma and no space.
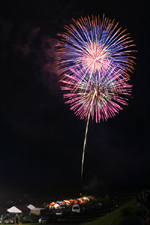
95,61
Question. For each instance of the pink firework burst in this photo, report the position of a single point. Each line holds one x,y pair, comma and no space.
101,97
95,60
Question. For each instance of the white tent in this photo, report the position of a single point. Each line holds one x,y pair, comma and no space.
14,209
37,211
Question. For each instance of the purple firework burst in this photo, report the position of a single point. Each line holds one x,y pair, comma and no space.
101,97
95,60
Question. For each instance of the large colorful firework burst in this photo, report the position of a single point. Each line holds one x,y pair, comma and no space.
95,61
100,98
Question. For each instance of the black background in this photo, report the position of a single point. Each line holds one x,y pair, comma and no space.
40,138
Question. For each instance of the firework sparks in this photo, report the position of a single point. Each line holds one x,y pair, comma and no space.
94,45
100,97
95,60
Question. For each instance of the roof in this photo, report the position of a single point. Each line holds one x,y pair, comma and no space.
18,209
35,206
14,209
31,206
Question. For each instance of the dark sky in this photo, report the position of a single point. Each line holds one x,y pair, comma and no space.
41,140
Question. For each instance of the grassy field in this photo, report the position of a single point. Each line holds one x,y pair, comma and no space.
113,218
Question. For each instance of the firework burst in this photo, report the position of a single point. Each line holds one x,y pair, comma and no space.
101,97
95,61
93,45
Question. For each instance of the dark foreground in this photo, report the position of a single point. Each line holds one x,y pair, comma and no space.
76,219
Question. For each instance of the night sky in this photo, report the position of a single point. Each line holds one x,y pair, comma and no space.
41,140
